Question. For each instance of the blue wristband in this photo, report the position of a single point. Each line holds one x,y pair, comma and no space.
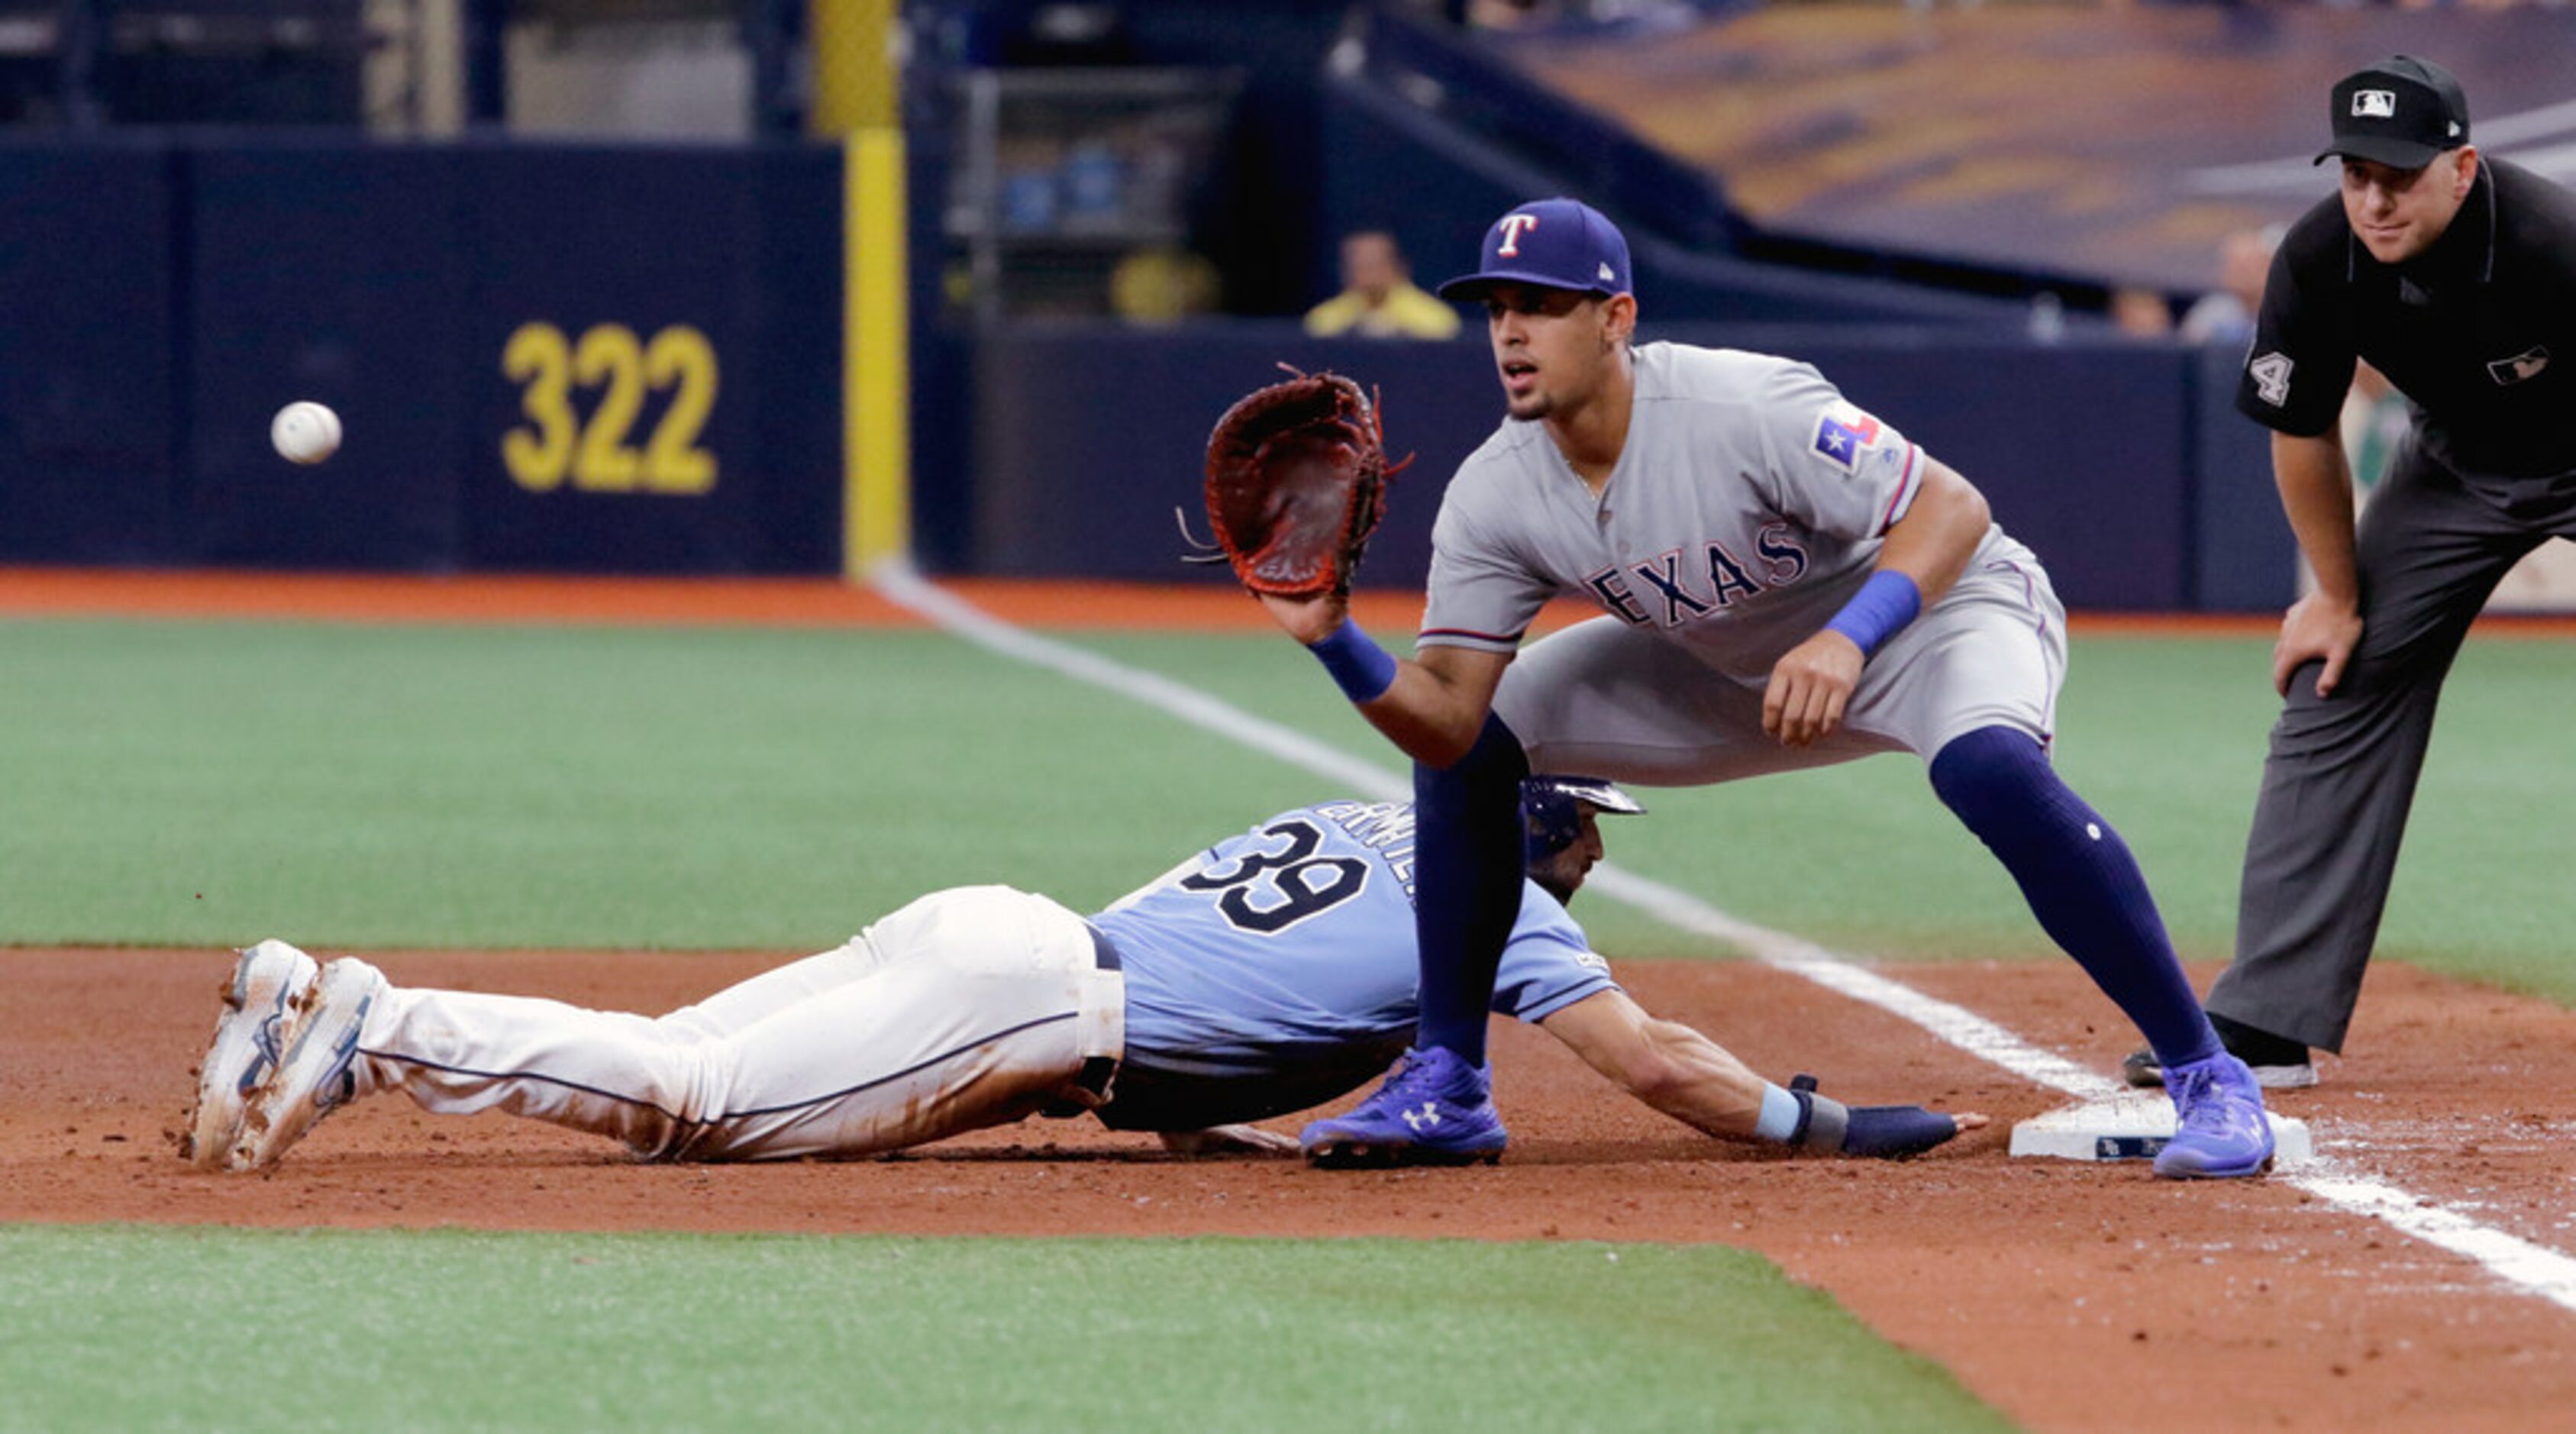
1882,607
1363,669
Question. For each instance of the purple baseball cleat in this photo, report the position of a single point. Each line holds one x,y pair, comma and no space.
2219,1131
1435,1109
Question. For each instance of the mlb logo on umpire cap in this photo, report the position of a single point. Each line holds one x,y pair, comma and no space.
1554,243
2401,112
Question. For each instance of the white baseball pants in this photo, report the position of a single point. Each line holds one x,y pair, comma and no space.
968,1008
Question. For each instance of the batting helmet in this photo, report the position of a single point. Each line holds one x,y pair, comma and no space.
1552,811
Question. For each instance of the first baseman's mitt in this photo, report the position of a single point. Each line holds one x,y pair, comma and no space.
1296,483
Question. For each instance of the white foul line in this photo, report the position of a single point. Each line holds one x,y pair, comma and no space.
901,586
2534,1268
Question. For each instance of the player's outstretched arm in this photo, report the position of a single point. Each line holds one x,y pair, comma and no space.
1432,708
1664,1063
1695,1080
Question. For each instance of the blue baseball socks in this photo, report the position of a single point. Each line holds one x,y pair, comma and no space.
1466,884
2080,880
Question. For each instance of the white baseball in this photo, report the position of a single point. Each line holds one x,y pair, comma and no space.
305,432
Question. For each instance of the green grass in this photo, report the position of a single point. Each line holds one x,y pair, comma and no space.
136,1328
211,783
352,786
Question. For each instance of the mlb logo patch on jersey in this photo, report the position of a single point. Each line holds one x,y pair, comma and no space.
1842,433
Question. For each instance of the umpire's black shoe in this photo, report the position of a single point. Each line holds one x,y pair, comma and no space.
2278,1062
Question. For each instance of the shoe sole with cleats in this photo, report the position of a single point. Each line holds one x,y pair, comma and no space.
257,1024
313,1077
1359,1154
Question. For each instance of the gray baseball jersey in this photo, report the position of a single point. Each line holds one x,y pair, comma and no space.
1747,507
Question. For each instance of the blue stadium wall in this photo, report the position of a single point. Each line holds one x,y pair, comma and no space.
628,359
568,358
2123,465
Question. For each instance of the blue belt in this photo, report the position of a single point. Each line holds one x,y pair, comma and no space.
1103,950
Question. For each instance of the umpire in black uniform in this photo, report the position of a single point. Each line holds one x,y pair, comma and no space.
2454,275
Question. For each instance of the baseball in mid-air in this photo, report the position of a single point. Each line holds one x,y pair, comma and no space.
305,432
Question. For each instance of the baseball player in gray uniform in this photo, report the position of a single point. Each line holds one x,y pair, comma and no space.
1264,975
1786,581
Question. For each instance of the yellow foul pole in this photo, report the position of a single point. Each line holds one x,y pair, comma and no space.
855,98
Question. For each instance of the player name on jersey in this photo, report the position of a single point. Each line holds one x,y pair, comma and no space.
1384,827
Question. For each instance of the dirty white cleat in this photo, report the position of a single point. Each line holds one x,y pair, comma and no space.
257,1022
313,1078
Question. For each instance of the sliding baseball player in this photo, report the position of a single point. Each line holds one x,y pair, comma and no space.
1268,974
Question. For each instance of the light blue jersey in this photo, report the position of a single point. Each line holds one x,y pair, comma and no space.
1277,970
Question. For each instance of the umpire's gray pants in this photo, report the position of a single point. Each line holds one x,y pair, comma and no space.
2342,769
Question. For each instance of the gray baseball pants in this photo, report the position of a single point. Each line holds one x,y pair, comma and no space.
2342,770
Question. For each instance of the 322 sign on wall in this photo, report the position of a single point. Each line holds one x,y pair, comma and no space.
613,371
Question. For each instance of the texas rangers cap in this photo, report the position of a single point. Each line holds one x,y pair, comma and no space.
2401,112
1554,243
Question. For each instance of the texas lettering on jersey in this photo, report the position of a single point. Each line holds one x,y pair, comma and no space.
1684,584
1668,592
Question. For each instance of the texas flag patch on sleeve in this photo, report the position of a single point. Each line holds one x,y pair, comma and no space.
1843,433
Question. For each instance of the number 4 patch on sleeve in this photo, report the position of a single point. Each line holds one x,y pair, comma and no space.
2271,375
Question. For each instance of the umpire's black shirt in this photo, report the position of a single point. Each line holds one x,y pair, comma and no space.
2479,331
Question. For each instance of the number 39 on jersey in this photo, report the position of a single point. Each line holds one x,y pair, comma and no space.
1268,891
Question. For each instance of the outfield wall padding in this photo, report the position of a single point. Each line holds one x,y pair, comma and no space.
600,358
1088,438
546,357
88,392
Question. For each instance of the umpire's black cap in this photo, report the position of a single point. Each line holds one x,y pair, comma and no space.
2401,112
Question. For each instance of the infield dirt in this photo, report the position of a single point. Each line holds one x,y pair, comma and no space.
2072,1296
